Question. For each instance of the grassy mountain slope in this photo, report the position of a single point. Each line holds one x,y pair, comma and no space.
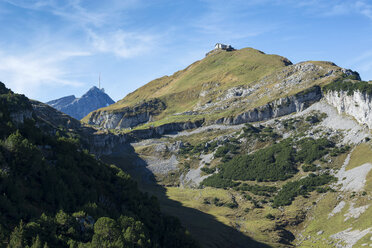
53,193
226,68
220,85
181,91
276,181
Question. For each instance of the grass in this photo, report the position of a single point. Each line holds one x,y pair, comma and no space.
368,186
211,227
253,223
225,68
213,75
318,221
361,154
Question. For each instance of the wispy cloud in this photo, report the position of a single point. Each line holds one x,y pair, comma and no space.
70,9
363,62
96,23
76,11
123,44
229,20
28,73
364,8
335,7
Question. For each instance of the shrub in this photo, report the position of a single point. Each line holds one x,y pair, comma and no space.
257,189
312,119
301,187
270,217
349,87
272,163
311,149
232,205
217,181
223,150
311,167
208,170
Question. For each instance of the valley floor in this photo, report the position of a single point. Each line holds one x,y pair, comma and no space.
337,215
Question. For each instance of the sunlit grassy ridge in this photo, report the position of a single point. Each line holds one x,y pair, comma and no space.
181,90
226,68
202,86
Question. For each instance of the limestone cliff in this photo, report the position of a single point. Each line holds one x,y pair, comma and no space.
277,108
356,104
127,117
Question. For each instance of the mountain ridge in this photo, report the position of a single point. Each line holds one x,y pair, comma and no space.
277,152
93,99
54,193
274,154
223,84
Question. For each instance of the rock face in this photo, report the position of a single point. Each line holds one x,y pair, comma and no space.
357,104
108,143
118,120
277,108
99,143
20,116
55,118
127,117
79,107
63,101
164,129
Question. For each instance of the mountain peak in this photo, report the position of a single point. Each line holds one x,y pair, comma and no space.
95,88
94,91
93,99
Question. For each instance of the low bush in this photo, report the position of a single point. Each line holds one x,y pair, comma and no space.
208,170
301,187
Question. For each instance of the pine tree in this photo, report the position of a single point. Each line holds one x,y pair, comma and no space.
17,237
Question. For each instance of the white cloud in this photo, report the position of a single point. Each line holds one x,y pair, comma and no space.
364,8
68,9
337,7
29,73
45,60
98,24
366,55
123,44
77,11
363,63
223,20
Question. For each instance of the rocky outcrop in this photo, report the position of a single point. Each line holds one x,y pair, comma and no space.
357,104
61,102
50,116
277,108
79,107
117,120
127,117
100,142
105,143
20,116
108,143
164,129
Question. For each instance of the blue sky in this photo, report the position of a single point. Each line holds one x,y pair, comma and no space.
54,48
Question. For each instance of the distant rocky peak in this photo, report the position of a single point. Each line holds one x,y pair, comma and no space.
94,91
93,99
